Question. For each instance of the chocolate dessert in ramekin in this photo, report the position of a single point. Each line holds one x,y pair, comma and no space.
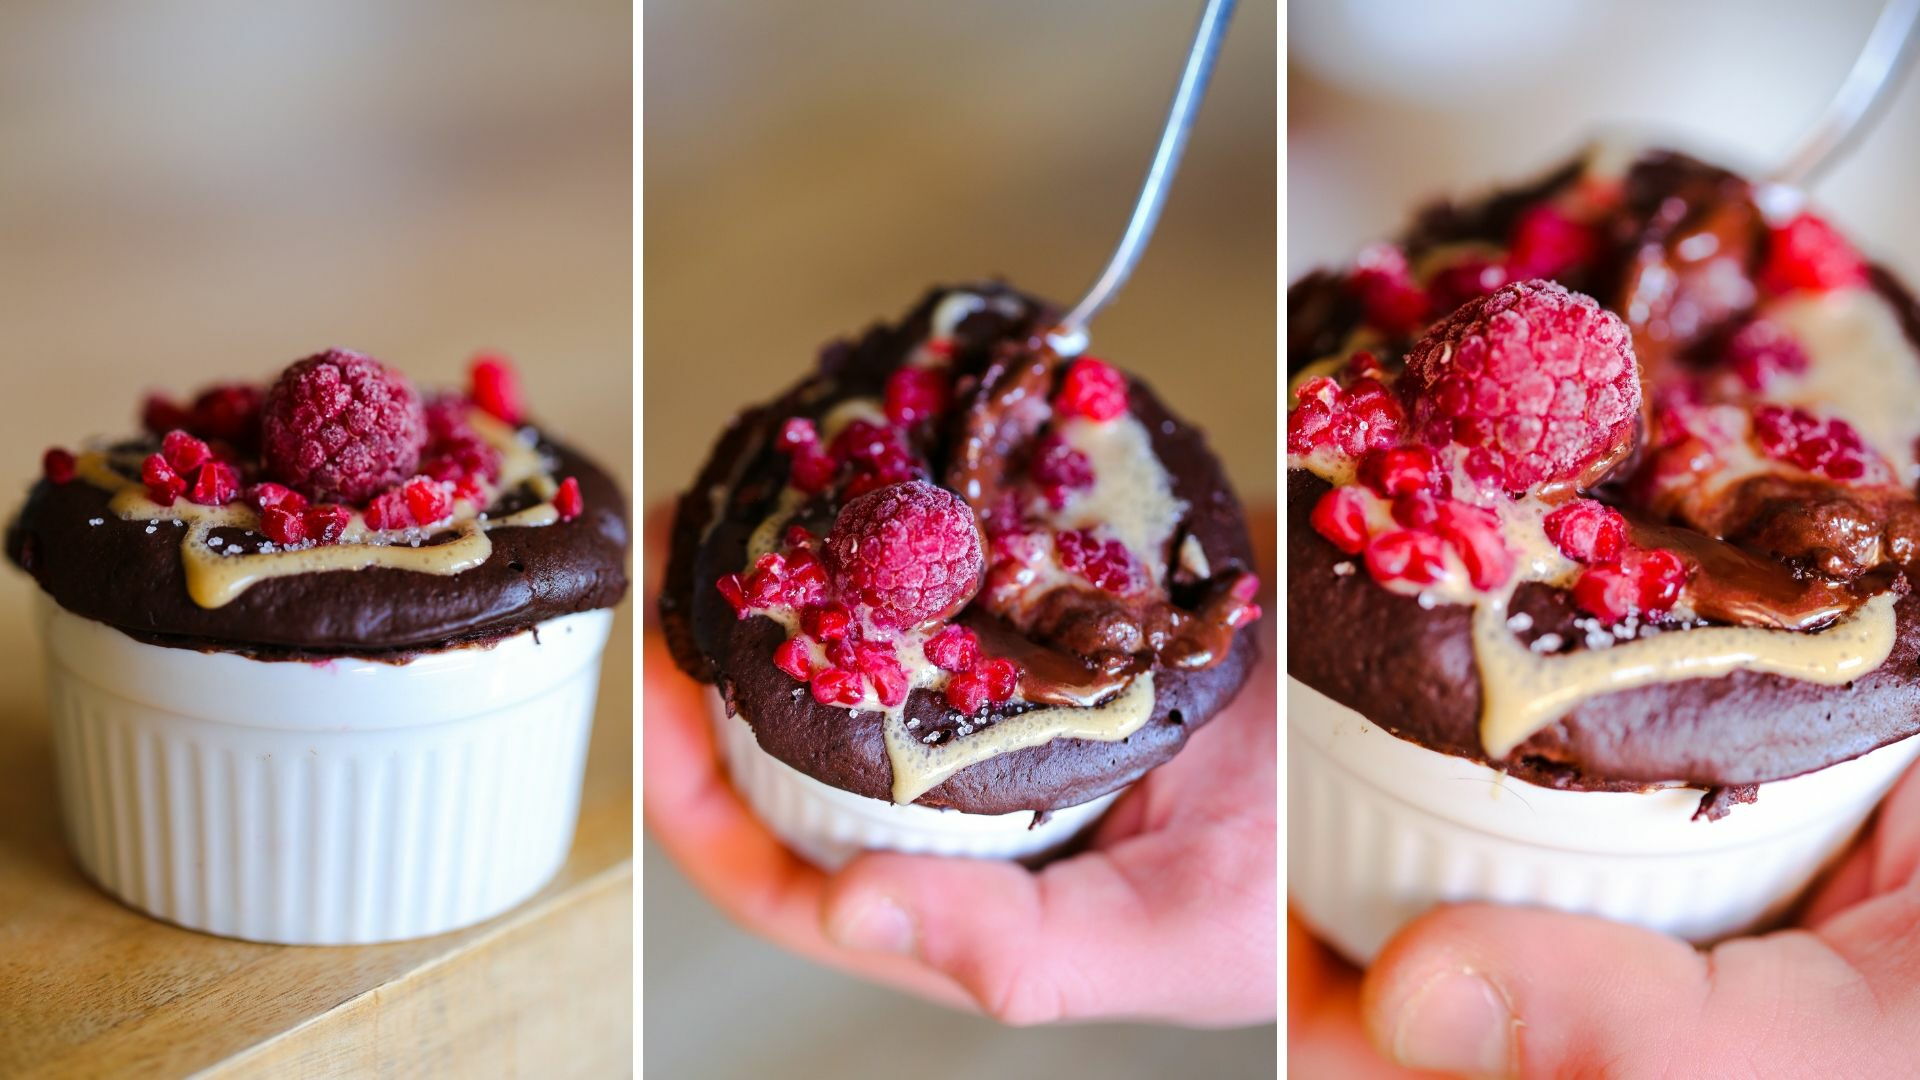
957,590
1601,517
322,655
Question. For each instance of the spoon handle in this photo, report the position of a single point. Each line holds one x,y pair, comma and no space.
1874,73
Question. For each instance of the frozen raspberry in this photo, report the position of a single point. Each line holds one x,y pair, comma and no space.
327,523
914,394
1830,447
1107,564
1093,389
1529,384
342,426
495,388
1393,303
826,622
1546,243
184,452
215,483
1807,253
954,648
968,692
1341,517
794,658
1587,532
1350,421
1397,470
567,499
57,464
1410,556
1003,679
837,686
283,526
1059,469
906,554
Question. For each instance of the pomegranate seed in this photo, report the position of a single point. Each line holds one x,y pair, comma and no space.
1003,679
57,464
914,394
1587,532
1092,389
215,484
283,526
827,622
1341,517
184,452
567,499
794,658
1397,470
1406,556
968,692
327,523
731,588
954,648
495,388
836,686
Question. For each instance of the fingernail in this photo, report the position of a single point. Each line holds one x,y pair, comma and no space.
878,925
1458,1022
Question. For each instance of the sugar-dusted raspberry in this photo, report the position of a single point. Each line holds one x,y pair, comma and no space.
1546,243
1397,470
1587,532
1807,253
1830,447
495,388
184,452
215,483
1527,385
1059,469
1762,351
1341,517
567,499
58,465
1352,420
1107,564
339,425
283,526
327,523
1093,389
837,686
914,394
794,658
1411,556
1003,679
954,648
906,554
969,692
163,484
1392,302
1644,582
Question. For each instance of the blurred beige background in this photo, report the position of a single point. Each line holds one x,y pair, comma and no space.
1391,103
811,168
212,189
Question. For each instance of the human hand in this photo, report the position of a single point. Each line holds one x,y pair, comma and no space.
1500,991
1169,914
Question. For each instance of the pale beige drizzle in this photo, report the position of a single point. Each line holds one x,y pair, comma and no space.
919,767
1131,496
215,579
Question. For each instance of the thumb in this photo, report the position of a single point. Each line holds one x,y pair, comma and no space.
1498,991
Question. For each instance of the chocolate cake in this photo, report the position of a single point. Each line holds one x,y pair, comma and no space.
1697,573
1092,596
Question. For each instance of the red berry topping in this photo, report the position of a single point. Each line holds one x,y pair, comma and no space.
1092,389
215,483
906,554
160,415
794,658
1349,421
1606,592
1546,243
731,587
797,433
340,425
1003,679
1107,565
283,526
496,388
1469,279
1059,469
968,692
267,494
1587,532
1762,351
1393,302
57,464
1530,384
883,671
914,394
428,501
1806,253
798,538
1643,582
327,523
184,452
1474,536
1341,517
878,455
954,648
1409,556
163,484
826,622
567,499
1829,447
230,413
837,686
1397,470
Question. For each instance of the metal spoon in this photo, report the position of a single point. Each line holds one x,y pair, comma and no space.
1070,337
1874,74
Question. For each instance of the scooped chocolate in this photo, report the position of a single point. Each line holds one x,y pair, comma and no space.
736,489
132,578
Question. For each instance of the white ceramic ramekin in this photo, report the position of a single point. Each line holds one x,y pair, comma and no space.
1380,829
828,826
330,803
